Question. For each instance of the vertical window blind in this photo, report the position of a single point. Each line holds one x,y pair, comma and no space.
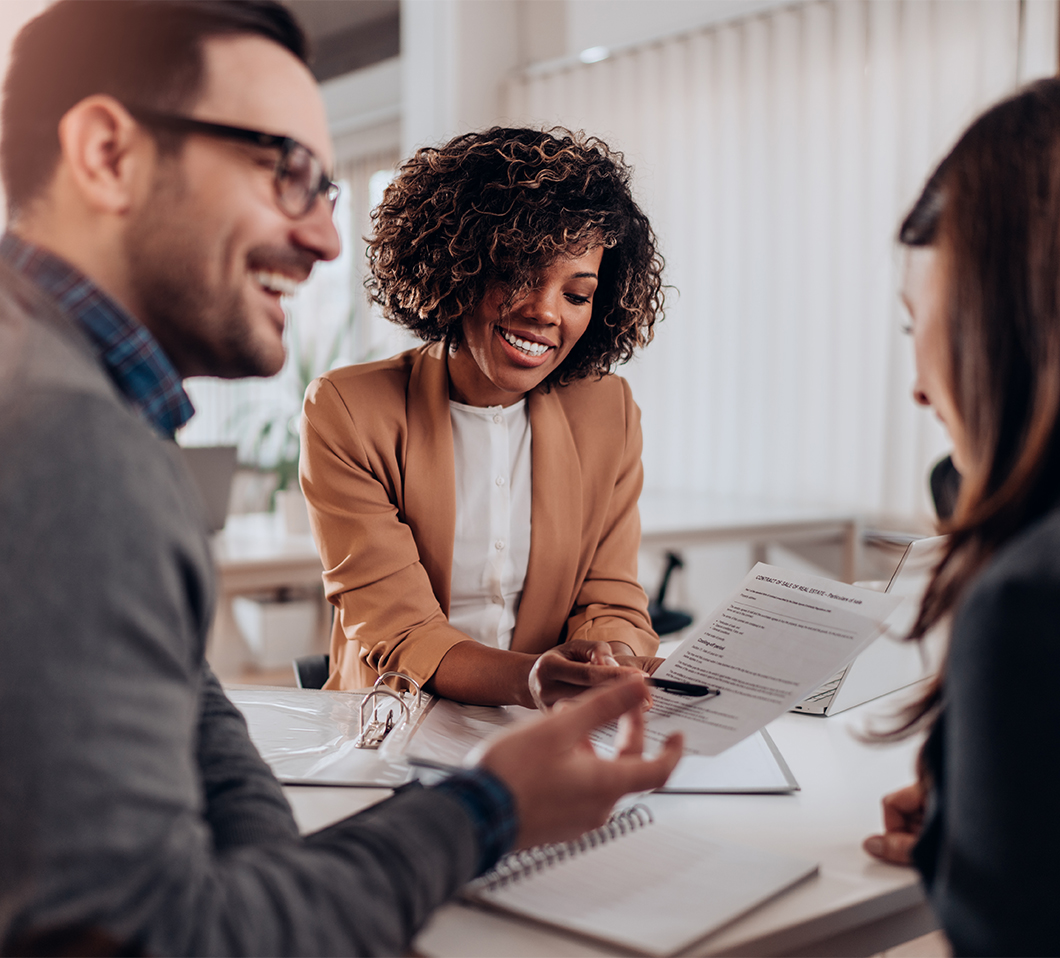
775,156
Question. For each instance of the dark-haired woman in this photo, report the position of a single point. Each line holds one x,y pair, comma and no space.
475,500
982,285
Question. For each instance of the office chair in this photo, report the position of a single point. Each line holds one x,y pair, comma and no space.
311,671
945,487
666,621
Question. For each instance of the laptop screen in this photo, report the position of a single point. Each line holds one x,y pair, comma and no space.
212,468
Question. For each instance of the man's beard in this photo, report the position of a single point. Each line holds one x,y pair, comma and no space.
203,326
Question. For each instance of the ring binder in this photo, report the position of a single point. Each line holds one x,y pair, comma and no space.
522,864
372,731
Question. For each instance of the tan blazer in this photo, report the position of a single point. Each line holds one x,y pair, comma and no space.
377,471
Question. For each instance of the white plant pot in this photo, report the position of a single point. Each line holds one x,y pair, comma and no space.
290,504
276,630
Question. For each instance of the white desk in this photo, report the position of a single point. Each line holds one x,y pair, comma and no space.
254,553
670,520
854,906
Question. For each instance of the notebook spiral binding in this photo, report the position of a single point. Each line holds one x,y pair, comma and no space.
522,864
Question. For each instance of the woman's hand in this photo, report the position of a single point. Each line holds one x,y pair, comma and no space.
573,667
642,663
903,817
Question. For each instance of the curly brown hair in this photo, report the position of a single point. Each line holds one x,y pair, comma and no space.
492,209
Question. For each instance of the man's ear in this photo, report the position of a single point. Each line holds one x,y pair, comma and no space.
106,153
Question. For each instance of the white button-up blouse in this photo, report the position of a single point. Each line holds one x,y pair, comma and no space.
491,449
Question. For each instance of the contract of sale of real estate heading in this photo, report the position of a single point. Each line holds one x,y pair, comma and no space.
780,636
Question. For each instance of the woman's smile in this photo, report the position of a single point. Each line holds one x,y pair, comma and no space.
508,349
531,351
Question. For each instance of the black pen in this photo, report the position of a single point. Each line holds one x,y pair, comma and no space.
682,688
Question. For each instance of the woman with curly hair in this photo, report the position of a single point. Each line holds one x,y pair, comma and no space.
475,499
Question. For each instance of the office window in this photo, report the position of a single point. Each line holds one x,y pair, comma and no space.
775,156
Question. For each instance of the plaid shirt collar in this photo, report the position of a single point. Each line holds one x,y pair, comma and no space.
130,354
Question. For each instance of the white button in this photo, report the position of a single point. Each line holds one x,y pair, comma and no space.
498,418
500,480
498,545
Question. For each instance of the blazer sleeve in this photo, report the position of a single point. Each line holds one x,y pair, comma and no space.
993,879
243,803
611,604
372,568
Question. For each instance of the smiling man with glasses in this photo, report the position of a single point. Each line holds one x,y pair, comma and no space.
166,170
300,176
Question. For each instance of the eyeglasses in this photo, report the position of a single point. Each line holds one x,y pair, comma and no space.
299,176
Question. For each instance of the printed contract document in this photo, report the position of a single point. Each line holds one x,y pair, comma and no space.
777,639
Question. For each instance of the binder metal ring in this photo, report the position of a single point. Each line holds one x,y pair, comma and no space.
372,728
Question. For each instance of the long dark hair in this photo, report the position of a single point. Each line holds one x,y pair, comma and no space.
992,209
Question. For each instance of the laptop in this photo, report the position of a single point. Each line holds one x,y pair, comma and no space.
888,664
212,468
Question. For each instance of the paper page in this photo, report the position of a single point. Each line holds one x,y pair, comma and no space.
752,766
451,730
656,890
777,639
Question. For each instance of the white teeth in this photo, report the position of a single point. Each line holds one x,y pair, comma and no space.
531,349
276,282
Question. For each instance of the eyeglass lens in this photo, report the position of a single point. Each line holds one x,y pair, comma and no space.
300,180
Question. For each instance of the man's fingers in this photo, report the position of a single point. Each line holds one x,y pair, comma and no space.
638,775
893,847
631,733
597,708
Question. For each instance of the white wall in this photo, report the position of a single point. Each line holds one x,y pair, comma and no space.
622,23
364,110
455,57
13,15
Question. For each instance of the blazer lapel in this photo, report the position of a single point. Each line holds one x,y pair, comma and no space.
430,484
555,526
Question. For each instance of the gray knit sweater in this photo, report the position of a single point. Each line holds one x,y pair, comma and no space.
133,806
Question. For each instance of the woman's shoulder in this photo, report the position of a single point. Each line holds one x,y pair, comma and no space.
377,374
599,394
599,410
1031,556
374,385
1016,596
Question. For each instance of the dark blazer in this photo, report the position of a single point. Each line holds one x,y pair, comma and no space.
990,849
133,807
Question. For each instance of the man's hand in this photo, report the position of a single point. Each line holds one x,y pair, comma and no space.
903,817
560,786
571,668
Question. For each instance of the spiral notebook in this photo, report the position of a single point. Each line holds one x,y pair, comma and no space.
637,884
